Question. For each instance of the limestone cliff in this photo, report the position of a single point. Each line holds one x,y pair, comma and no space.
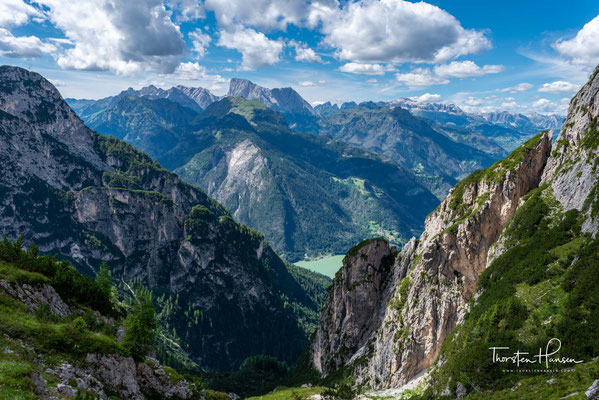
429,283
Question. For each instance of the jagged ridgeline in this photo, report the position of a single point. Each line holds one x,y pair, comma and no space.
223,294
308,194
509,259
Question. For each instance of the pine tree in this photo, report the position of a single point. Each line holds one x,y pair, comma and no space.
104,282
141,325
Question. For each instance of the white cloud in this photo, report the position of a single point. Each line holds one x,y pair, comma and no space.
584,47
427,98
195,71
304,53
474,101
466,69
22,46
559,87
187,74
311,83
420,77
57,82
17,12
200,42
398,31
187,10
519,88
363,68
256,49
123,37
371,80
512,105
263,14
544,106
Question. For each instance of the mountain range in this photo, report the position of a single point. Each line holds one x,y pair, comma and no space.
267,188
507,261
309,195
223,293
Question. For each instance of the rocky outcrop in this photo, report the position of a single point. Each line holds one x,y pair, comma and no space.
358,289
102,375
107,375
593,392
94,199
432,278
34,298
571,170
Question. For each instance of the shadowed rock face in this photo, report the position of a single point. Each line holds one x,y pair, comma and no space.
91,198
431,280
354,304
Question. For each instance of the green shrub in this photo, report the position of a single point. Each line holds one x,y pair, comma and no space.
141,325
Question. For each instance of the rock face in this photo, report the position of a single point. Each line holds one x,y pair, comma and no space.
593,392
571,170
298,112
358,289
431,280
196,99
91,198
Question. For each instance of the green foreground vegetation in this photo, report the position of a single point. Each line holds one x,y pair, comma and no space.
33,339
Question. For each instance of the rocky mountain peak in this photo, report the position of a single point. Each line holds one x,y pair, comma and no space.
431,279
31,97
285,100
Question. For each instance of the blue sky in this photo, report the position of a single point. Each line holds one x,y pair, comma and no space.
520,56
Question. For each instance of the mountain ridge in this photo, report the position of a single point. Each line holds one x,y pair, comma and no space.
94,199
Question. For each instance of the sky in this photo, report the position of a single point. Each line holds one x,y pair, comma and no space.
518,56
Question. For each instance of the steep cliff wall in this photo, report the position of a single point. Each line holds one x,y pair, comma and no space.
432,278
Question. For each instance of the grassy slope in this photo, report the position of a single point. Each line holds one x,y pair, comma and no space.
33,341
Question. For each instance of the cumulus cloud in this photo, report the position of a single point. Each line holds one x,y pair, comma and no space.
123,37
511,105
474,101
398,31
304,53
427,98
466,69
519,88
22,46
420,77
187,10
200,42
262,14
256,49
17,12
558,87
544,106
584,47
194,71
363,68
